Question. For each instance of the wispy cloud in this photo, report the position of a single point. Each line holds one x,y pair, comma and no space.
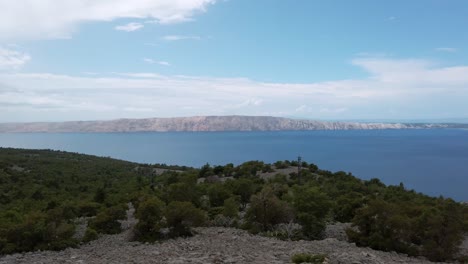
391,18
141,75
151,61
12,59
180,37
446,49
59,19
133,26
393,88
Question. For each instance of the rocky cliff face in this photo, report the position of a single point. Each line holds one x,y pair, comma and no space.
202,123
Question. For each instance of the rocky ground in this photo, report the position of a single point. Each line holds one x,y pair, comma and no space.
210,245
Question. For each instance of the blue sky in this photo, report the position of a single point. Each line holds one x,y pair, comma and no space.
338,60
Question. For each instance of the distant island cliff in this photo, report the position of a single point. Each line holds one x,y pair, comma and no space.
208,123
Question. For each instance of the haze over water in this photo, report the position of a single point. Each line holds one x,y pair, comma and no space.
434,162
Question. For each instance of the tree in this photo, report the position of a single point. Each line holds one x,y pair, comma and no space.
383,226
149,214
442,231
100,195
231,207
267,210
182,192
242,187
106,222
205,171
217,193
311,207
182,216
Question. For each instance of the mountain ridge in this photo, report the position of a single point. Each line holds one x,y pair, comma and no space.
208,123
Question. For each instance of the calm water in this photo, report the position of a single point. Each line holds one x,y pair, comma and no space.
430,161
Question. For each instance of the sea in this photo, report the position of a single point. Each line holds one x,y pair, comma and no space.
431,161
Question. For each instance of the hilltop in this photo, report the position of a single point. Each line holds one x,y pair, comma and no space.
207,123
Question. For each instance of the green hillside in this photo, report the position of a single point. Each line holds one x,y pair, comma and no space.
42,192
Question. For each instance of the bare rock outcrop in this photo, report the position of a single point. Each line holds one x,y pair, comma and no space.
202,123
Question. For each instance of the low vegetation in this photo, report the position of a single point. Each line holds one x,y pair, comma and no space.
42,192
308,258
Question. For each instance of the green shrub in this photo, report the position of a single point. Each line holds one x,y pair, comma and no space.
267,210
231,207
88,209
106,222
182,216
149,216
118,212
434,231
90,235
312,207
308,258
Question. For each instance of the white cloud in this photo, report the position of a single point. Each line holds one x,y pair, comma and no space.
249,102
333,110
33,19
180,37
395,88
12,59
413,72
446,49
141,75
133,26
164,63
151,61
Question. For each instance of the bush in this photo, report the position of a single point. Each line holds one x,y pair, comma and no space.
308,258
434,232
90,235
106,222
217,193
35,231
225,221
231,207
149,216
88,209
311,208
182,216
267,210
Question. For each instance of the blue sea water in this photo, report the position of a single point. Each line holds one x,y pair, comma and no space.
434,162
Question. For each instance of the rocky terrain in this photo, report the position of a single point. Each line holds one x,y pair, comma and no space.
205,123
210,245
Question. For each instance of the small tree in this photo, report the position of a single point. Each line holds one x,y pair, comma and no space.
311,208
267,210
149,216
106,222
182,216
217,193
231,207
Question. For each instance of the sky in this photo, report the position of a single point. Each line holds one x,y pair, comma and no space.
322,59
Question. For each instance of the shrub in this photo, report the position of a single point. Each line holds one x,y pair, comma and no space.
267,210
288,231
88,209
182,216
308,258
311,208
217,193
231,207
90,235
225,221
106,222
149,216
434,232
